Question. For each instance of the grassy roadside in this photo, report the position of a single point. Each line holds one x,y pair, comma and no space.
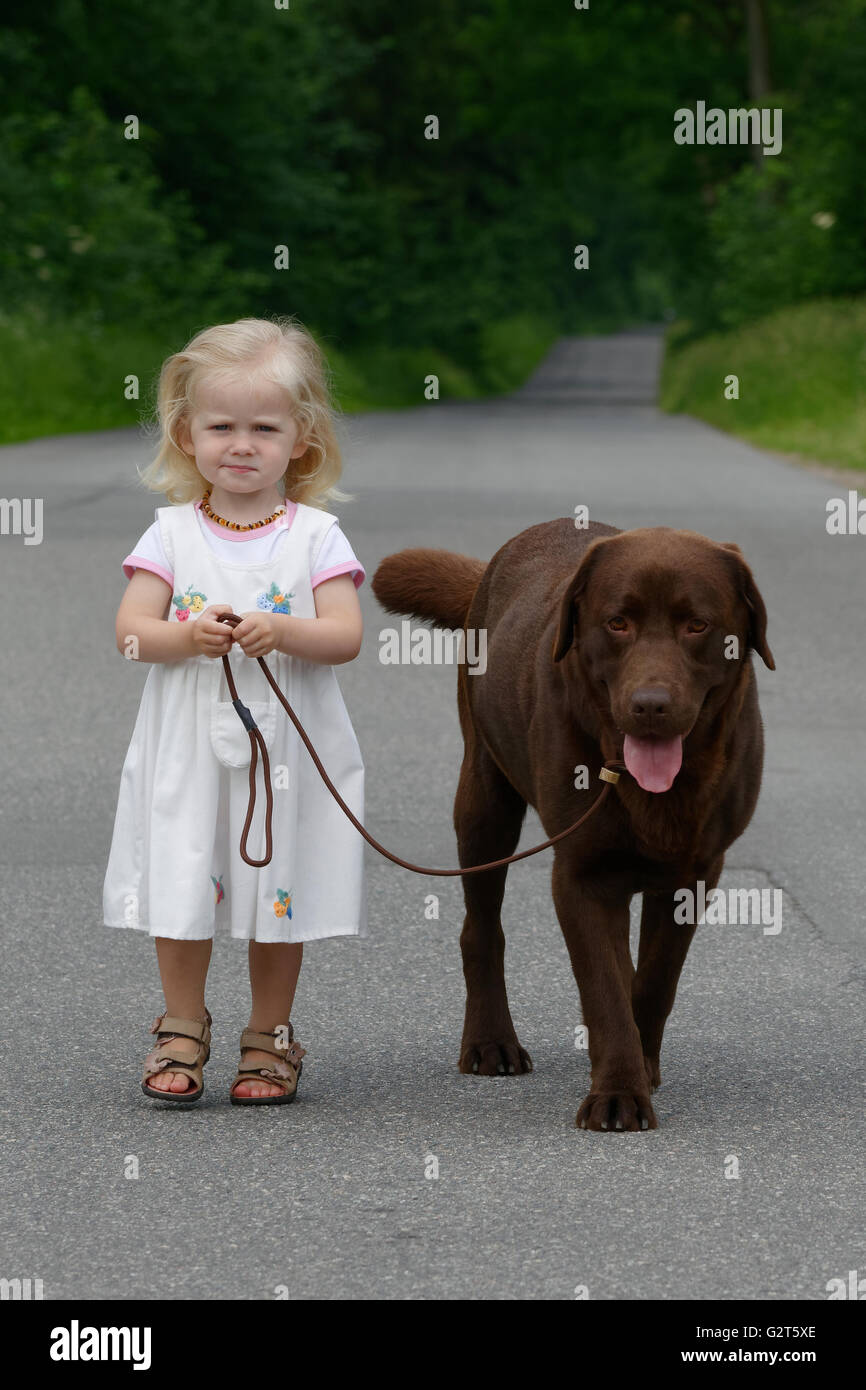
802,376
63,379
802,380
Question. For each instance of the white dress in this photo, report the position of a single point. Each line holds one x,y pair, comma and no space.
174,868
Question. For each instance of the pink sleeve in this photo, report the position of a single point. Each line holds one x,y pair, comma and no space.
148,554
337,557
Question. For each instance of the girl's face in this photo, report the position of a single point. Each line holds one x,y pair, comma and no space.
242,440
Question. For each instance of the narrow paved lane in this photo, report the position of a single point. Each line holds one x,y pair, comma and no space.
761,1059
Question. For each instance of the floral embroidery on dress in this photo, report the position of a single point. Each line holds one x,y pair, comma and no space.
218,885
190,602
274,600
283,905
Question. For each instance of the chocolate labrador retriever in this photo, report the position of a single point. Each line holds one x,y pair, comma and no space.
633,645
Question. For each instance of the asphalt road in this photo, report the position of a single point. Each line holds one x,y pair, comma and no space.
332,1196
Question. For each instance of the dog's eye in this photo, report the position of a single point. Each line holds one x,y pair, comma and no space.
696,625
617,624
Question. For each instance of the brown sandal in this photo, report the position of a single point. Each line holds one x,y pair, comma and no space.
165,1056
285,1072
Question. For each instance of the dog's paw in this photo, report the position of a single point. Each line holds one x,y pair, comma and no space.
653,1071
494,1058
613,1110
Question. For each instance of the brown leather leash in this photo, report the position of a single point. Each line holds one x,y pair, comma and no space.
606,775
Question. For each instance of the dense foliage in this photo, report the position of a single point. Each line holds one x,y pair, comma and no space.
305,126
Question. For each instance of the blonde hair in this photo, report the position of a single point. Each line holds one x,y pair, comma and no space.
279,351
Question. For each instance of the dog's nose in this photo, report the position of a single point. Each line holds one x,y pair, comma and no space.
650,703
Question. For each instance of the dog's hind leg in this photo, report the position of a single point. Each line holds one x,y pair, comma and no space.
488,815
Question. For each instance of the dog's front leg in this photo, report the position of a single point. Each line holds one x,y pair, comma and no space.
664,945
596,931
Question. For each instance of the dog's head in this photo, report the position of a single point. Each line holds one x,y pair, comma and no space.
653,614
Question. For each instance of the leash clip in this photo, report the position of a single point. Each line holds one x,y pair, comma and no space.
607,776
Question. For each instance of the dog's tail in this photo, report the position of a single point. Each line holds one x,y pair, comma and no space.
427,584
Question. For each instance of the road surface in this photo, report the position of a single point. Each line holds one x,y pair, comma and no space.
335,1196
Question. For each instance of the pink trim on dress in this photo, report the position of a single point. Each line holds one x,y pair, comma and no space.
225,534
135,562
345,568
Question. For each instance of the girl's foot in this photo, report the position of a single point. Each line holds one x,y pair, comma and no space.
281,1063
258,1086
176,1081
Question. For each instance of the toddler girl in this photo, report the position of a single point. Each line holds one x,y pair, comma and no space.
248,458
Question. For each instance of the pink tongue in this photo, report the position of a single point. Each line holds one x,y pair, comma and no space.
652,762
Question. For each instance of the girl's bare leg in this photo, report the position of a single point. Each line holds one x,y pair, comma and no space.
183,967
274,970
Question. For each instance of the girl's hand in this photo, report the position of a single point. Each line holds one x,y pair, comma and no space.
209,637
257,634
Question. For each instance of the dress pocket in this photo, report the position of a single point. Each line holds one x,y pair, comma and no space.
228,734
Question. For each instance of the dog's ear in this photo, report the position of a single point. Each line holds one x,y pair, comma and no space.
571,598
751,596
